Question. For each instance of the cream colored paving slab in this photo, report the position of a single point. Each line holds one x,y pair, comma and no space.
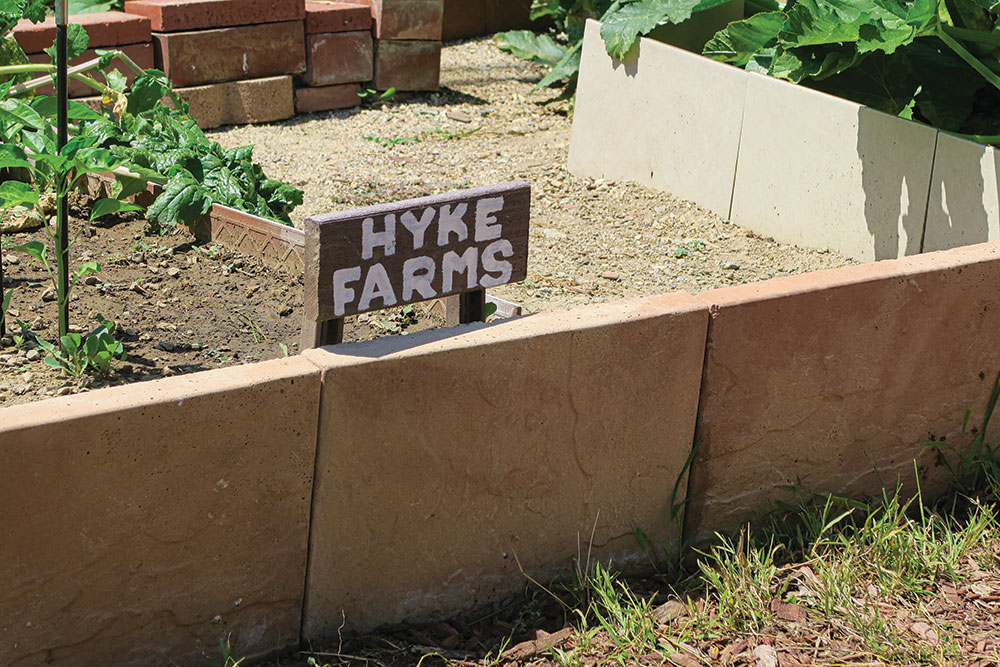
142,523
665,118
964,206
819,171
447,457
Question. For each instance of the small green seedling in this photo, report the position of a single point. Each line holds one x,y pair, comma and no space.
370,94
685,249
75,353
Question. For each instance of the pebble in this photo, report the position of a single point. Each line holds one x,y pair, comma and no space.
33,355
91,280
49,295
19,389
64,391
731,266
38,324
168,372
284,311
173,272
166,346
609,275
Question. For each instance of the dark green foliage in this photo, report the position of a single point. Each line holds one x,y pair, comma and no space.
911,58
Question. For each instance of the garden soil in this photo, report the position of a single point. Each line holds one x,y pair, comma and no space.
185,306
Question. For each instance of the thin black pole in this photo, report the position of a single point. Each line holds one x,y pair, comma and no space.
62,132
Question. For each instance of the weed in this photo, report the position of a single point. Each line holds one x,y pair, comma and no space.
437,134
75,354
979,468
685,249
372,95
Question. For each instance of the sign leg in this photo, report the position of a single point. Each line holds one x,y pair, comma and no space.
318,334
465,308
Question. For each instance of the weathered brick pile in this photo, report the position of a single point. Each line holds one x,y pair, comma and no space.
251,61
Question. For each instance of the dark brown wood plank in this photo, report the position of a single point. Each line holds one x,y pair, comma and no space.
416,250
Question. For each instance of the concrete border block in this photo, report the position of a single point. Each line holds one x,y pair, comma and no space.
831,379
819,171
676,124
445,454
144,522
964,206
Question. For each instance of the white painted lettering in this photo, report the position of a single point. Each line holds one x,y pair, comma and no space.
454,263
417,227
417,276
371,239
487,227
342,294
450,221
377,286
491,264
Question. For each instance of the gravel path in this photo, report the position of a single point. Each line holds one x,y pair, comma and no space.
590,241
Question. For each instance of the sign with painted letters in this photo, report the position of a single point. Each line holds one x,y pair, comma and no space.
394,254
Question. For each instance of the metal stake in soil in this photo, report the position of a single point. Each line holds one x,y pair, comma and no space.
62,187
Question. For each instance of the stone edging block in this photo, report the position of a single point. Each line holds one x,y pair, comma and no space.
829,380
175,512
337,17
964,206
677,122
831,173
471,445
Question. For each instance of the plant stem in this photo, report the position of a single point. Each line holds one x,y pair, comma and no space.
964,54
978,36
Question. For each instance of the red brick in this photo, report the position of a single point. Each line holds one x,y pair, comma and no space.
103,28
327,98
509,15
231,54
142,54
338,57
463,18
324,17
408,19
407,65
181,15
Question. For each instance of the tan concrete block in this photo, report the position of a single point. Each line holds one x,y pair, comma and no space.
143,523
327,98
831,379
673,118
446,454
239,102
819,171
964,206
407,65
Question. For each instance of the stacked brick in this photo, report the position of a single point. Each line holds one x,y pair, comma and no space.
107,30
472,18
245,61
408,43
339,56
231,60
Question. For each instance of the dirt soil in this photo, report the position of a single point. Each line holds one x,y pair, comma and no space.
591,241
182,306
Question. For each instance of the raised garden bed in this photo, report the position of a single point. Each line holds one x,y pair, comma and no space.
822,172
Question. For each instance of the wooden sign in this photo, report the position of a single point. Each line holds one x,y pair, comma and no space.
416,250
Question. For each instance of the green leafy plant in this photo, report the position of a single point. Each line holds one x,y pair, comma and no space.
75,354
372,95
685,249
928,60
624,22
